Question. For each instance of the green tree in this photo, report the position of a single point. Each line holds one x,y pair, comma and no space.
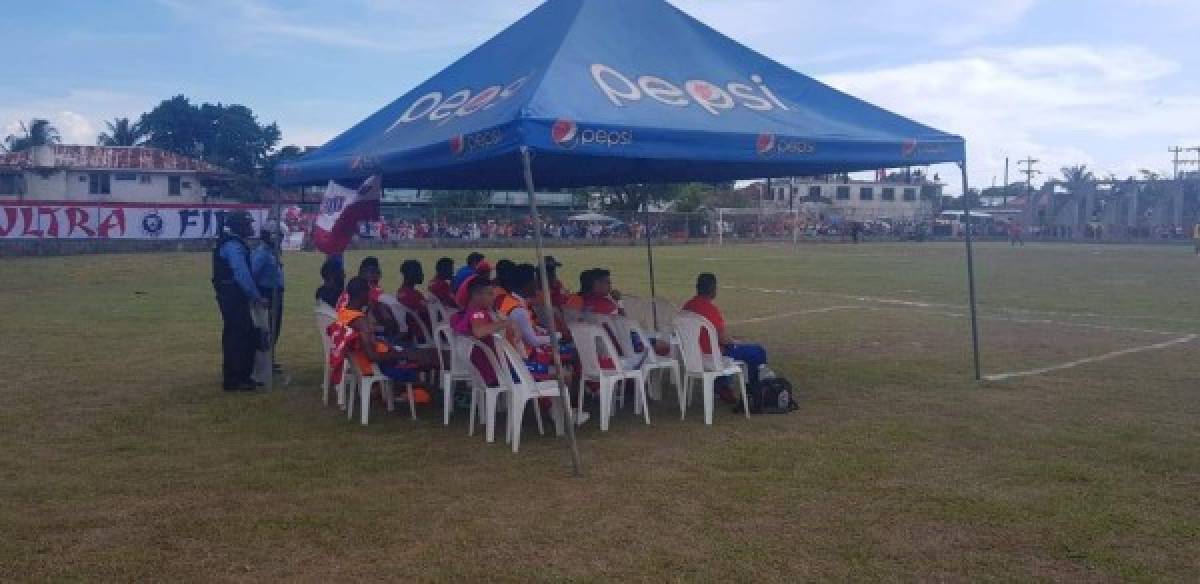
38,132
1076,177
121,132
175,125
233,138
285,154
228,136
632,197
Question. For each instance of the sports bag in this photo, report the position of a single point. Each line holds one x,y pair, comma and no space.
773,396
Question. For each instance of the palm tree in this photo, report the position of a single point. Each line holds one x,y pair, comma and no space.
1077,176
38,132
121,132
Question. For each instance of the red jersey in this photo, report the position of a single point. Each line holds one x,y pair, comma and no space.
440,289
598,304
412,299
463,296
462,323
344,299
558,294
705,307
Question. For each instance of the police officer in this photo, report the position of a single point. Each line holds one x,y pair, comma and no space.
268,276
236,292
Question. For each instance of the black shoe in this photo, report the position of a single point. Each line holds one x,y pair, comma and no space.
276,368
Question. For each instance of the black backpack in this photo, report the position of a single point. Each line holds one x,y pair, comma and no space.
773,396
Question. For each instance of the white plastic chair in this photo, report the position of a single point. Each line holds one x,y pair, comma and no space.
522,389
439,313
451,366
326,317
648,360
590,340
706,369
361,385
403,315
643,310
479,387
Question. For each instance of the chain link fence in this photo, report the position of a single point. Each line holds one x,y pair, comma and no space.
426,226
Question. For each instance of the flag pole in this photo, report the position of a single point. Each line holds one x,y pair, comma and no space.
971,272
551,325
650,260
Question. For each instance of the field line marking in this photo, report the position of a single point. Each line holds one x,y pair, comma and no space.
1089,360
931,308
794,314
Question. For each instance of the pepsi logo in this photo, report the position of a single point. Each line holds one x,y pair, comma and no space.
565,133
363,163
771,145
766,144
464,144
908,149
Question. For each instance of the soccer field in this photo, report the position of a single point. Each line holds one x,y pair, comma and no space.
1078,460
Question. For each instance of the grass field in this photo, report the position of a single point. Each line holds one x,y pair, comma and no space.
123,460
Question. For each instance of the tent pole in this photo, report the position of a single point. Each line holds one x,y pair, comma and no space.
971,272
650,260
565,409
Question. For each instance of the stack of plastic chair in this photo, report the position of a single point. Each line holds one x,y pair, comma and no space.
451,366
705,368
590,342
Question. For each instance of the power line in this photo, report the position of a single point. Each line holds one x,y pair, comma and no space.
1176,151
1029,171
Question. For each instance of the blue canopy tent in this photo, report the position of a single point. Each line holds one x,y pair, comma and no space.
612,92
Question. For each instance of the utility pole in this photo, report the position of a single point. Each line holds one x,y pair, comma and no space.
1029,171
1195,149
1176,151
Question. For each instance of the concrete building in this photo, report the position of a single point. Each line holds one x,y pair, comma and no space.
912,199
1113,209
107,174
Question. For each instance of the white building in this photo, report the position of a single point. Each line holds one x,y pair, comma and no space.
106,174
896,198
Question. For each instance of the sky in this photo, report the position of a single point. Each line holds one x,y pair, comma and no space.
1107,83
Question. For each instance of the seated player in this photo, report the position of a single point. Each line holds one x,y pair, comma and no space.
465,272
439,286
476,321
370,271
526,336
354,336
483,272
504,273
596,294
754,356
411,298
333,278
